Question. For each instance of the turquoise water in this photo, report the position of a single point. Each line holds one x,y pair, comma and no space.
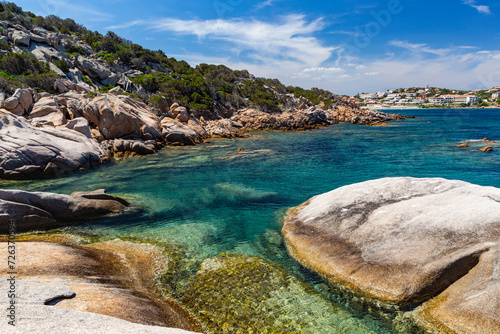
213,198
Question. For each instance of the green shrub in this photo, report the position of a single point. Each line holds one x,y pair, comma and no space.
64,30
75,49
63,66
105,89
22,64
5,46
41,82
87,80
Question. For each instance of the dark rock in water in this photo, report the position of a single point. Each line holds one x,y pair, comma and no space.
408,241
33,210
126,147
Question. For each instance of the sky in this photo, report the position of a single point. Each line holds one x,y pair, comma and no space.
345,46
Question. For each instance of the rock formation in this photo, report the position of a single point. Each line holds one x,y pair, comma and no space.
408,241
38,210
27,151
78,290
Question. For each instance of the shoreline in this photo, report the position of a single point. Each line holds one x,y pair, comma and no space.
434,108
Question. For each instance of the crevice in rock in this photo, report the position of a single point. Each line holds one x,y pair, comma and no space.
54,301
446,277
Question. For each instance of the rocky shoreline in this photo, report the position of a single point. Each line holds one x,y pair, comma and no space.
45,136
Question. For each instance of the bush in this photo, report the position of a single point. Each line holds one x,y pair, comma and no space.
151,82
5,46
22,64
75,49
87,80
42,82
62,65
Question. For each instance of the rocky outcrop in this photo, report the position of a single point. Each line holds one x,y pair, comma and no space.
81,125
35,210
346,114
309,118
178,133
27,151
47,110
225,128
86,290
21,101
124,148
121,116
408,241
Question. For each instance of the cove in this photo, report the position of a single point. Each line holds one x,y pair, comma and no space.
215,199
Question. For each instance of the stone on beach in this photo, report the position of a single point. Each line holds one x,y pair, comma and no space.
407,241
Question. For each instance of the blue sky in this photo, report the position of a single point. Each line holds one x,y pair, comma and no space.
346,46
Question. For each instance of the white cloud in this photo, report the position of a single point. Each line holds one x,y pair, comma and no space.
480,8
461,67
126,25
289,40
69,9
323,69
420,48
264,4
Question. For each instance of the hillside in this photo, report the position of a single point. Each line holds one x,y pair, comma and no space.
99,62
56,75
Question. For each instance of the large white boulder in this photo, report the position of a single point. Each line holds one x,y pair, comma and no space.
407,241
27,151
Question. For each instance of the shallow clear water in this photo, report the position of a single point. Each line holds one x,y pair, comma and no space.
213,198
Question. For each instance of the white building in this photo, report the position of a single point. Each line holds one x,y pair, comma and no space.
495,96
468,99
368,96
437,100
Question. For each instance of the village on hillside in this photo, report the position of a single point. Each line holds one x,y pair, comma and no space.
428,97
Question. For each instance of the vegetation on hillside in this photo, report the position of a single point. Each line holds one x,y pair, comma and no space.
202,88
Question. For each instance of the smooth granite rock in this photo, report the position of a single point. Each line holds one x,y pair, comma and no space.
27,151
47,110
61,289
32,210
120,116
178,133
46,319
408,241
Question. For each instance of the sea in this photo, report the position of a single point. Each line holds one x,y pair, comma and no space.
230,196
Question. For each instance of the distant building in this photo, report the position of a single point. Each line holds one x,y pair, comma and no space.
469,99
368,96
495,96
444,99
437,100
